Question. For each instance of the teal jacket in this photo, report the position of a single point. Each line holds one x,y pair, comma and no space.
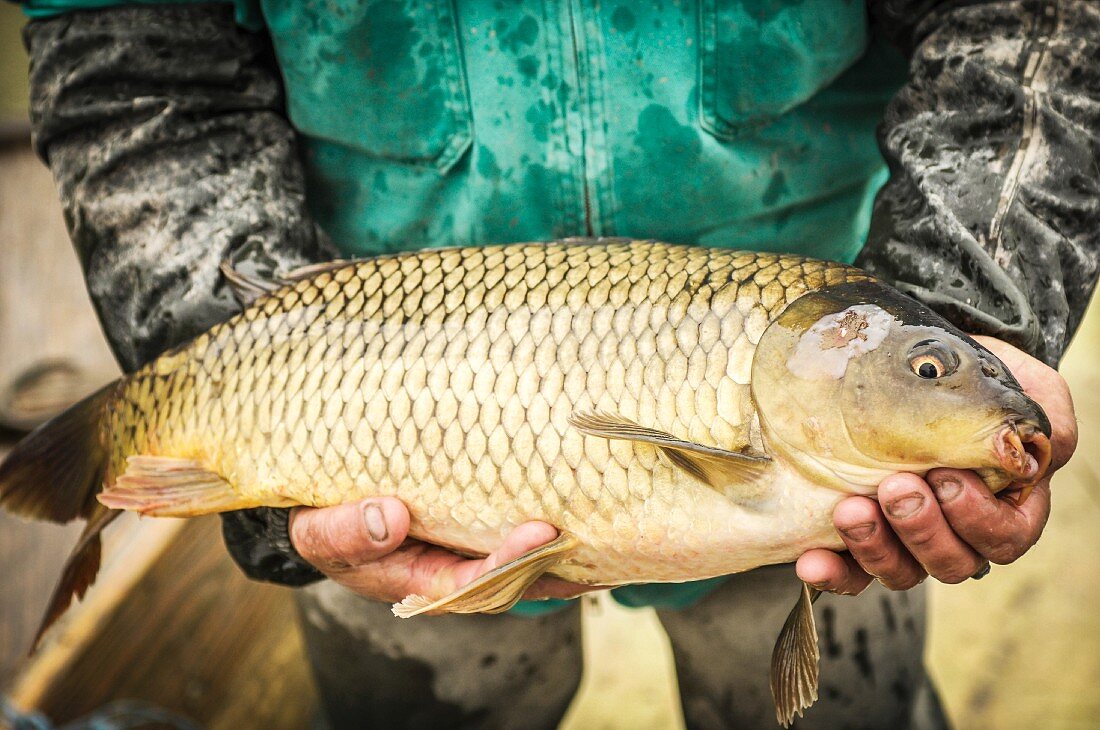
731,123
738,123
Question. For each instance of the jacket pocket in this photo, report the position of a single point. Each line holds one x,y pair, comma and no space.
758,59
382,76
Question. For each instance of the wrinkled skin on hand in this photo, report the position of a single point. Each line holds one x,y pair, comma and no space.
947,525
364,546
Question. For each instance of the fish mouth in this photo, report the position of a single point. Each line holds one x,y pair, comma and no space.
1023,450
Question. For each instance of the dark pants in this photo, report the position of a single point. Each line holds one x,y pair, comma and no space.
376,671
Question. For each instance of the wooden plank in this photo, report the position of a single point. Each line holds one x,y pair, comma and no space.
191,635
130,548
32,555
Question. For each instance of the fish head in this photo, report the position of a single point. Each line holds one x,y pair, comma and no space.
859,379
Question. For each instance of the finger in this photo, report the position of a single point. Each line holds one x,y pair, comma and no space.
913,512
550,587
521,540
874,545
422,569
419,568
998,528
1057,403
448,578
833,572
339,538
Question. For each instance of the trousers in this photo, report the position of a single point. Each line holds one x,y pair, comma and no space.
508,671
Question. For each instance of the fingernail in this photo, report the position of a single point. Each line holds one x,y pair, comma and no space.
859,533
905,506
821,585
946,488
376,522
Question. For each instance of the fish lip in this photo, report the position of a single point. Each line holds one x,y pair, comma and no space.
1023,451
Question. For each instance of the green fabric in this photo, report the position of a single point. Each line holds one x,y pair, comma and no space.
735,123
665,595
539,608
427,126
657,595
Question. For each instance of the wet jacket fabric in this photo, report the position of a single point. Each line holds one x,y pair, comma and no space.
175,146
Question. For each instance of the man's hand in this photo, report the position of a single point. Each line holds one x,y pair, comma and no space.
949,524
365,547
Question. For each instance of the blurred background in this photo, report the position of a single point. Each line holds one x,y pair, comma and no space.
171,621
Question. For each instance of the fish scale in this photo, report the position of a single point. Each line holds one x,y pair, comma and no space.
447,378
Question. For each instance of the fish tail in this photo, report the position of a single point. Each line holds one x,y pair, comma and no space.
79,573
55,474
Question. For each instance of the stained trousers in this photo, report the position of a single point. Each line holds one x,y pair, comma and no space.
376,671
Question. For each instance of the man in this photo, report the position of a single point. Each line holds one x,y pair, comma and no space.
741,124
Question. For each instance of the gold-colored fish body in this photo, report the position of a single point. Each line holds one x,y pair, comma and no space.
676,412
447,378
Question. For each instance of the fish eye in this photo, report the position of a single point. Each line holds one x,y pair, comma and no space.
931,359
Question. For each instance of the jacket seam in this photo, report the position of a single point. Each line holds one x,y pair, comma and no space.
1034,65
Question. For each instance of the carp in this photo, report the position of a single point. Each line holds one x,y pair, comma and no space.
676,412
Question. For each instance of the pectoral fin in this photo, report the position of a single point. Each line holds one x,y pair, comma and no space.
496,591
794,671
165,487
717,467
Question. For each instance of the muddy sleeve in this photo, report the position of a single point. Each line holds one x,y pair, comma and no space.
164,129
991,215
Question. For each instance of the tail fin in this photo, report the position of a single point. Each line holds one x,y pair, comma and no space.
79,572
54,474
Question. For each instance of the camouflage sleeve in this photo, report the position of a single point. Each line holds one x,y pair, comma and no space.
992,212
163,127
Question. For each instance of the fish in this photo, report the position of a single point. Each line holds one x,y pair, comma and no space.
676,412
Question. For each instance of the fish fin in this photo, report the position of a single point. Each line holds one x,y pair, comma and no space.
794,671
246,288
496,591
310,270
79,573
54,473
166,487
412,605
715,466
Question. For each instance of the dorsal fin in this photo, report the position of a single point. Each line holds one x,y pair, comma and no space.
247,288
717,467
311,270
